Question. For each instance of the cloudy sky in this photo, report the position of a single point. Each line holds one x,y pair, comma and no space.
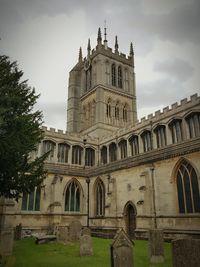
44,36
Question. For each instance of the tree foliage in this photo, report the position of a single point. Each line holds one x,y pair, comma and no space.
20,133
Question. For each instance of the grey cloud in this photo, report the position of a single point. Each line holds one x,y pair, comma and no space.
176,68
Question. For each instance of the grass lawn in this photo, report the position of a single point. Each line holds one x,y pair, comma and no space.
28,254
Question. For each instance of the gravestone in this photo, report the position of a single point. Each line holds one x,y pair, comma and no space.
86,231
6,241
74,231
18,232
186,252
156,246
63,234
86,245
121,250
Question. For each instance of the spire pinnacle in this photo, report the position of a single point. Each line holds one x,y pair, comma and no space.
131,50
99,39
116,45
80,57
105,35
88,47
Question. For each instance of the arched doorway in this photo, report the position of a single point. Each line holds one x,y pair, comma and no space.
130,219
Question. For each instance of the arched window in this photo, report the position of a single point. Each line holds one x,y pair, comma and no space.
108,109
49,146
117,111
63,152
123,148
119,77
112,152
147,141
31,201
77,154
133,140
99,198
125,117
160,132
72,197
176,130
89,157
193,121
113,71
104,155
187,184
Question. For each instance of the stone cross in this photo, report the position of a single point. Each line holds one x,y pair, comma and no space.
156,246
74,231
121,250
186,252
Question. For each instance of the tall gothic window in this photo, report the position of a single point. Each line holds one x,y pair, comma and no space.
112,152
72,197
63,152
176,130
119,77
160,132
147,141
123,148
31,201
77,154
117,111
113,71
125,117
104,155
49,146
187,183
193,121
99,198
89,157
108,109
133,140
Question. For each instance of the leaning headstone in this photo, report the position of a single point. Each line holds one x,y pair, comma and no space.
156,246
186,252
74,231
86,245
63,234
121,250
18,232
6,242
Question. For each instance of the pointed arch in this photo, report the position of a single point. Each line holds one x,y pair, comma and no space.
187,183
113,72
72,194
119,76
99,194
130,213
108,108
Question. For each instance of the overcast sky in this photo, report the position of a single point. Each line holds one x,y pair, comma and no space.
44,36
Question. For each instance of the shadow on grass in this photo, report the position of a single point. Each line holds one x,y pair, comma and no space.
28,254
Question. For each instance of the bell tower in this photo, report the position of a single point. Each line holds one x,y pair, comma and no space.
101,93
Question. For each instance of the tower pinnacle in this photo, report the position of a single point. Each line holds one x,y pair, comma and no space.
105,36
80,57
88,47
131,50
116,45
99,39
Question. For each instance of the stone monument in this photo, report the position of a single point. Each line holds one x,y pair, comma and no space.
86,243
74,231
122,250
156,246
186,252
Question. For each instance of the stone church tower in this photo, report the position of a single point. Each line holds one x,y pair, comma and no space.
101,93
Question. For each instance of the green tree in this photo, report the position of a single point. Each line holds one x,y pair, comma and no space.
20,133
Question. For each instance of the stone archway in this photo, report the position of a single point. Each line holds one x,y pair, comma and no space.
130,219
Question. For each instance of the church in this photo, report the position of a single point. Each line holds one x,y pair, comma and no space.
110,170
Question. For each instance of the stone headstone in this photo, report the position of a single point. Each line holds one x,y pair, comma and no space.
156,246
74,231
86,245
63,233
86,231
186,252
122,250
18,232
6,241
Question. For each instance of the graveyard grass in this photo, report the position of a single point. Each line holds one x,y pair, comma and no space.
27,253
